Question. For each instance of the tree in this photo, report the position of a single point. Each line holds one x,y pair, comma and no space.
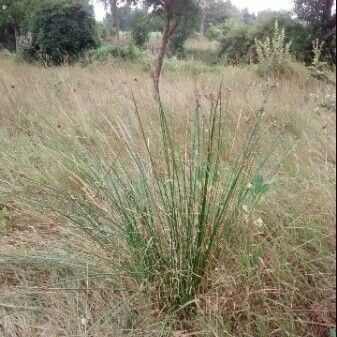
125,15
296,32
203,6
114,6
238,37
174,13
320,17
247,16
62,30
14,16
218,11
140,27
115,15
186,28
318,14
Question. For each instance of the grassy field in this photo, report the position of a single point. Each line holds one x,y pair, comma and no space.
75,168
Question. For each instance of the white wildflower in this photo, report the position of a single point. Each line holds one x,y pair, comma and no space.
258,223
83,321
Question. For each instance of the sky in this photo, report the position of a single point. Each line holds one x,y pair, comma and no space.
261,5
252,5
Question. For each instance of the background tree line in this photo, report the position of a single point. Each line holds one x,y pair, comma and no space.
57,31
216,19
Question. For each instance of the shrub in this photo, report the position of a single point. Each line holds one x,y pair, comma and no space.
236,41
104,53
102,30
273,54
61,31
214,32
296,32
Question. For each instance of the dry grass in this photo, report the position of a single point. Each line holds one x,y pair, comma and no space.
202,49
202,44
275,276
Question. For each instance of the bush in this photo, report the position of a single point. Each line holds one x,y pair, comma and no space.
236,42
105,53
273,54
61,31
296,32
214,32
102,30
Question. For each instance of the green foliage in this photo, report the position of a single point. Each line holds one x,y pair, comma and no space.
236,41
296,32
140,27
62,31
14,20
218,11
320,17
125,19
175,8
318,68
15,12
104,53
102,30
186,28
214,32
273,54
328,102
182,15
316,13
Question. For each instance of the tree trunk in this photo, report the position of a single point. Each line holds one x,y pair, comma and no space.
16,33
169,30
327,11
114,10
203,18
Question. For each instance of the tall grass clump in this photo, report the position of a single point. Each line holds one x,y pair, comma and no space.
165,211
273,54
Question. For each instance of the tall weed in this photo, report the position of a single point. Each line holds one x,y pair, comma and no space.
318,68
273,54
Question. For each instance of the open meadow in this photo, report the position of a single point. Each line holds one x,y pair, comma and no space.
94,243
